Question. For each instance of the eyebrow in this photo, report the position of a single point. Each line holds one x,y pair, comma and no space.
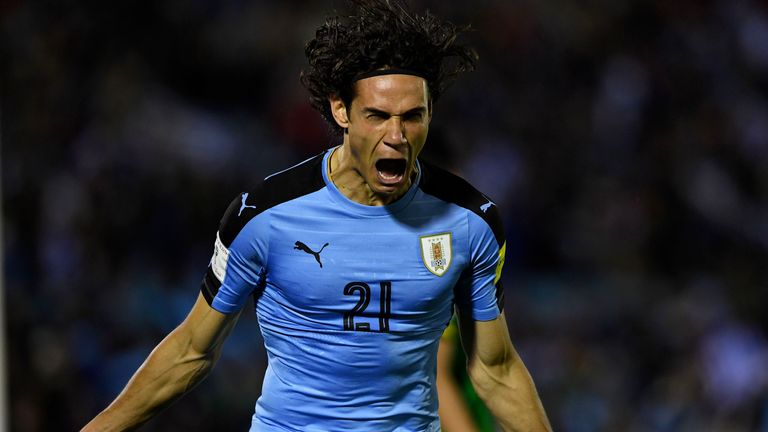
376,111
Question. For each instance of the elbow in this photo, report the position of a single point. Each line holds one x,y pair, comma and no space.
490,374
190,352
206,362
190,365
484,381
199,364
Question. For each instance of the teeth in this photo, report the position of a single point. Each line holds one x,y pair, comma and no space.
388,176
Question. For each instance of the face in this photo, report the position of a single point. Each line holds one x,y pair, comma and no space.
387,126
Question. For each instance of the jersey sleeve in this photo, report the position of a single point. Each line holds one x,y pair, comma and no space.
480,292
238,265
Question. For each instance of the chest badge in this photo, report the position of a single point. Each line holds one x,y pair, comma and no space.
436,252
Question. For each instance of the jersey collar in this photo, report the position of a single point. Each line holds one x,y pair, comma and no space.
363,209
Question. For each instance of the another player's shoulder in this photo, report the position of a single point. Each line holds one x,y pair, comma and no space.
453,189
294,182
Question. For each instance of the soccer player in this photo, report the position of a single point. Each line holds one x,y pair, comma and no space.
355,258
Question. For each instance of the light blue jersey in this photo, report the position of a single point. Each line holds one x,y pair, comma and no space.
352,299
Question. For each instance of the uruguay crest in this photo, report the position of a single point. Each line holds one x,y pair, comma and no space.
436,252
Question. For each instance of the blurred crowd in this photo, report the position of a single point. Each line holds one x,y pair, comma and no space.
626,143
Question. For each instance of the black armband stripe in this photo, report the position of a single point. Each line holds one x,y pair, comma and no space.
209,287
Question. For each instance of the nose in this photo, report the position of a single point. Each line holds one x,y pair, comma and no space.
395,136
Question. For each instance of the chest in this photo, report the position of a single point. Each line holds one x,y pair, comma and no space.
367,274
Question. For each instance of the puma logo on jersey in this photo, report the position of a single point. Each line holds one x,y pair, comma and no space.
244,206
486,206
302,247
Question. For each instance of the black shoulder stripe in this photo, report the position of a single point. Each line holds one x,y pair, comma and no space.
454,189
299,180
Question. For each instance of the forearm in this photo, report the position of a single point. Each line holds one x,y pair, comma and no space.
172,369
453,411
510,394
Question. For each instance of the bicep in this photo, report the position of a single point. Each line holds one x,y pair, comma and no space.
486,342
205,329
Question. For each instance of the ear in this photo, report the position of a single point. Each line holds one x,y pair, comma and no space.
339,111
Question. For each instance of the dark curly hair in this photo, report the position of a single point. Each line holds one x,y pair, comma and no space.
381,34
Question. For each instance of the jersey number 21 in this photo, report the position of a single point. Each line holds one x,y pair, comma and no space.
363,290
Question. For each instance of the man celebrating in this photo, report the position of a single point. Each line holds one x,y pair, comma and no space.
355,258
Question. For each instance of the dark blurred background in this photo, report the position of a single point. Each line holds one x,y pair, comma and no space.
626,143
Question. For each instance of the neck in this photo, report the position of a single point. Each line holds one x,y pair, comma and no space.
351,182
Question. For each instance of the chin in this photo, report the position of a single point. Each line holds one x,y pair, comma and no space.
385,190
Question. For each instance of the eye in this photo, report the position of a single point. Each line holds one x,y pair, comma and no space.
377,116
416,116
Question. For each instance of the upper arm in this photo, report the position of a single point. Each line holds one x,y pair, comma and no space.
236,269
486,343
479,291
480,295
204,329
238,265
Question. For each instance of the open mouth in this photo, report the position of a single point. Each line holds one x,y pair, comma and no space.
391,171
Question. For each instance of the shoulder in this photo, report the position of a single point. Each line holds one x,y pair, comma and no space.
451,188
294,182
